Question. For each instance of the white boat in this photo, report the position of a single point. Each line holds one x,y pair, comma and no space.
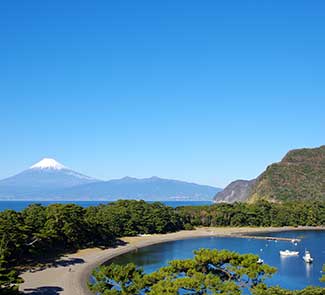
307,257
260,261
289,253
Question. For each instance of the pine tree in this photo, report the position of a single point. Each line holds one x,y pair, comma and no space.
8,276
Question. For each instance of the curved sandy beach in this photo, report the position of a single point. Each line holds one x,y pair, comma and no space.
71,274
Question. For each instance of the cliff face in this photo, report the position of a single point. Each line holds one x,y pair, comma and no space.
299,176
237,191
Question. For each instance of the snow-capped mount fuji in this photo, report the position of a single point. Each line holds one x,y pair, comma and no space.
41,178
48,163
54,168
50,180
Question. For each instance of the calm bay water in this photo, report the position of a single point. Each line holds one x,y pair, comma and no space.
293,272
20,205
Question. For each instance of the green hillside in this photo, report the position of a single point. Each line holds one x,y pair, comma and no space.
299,176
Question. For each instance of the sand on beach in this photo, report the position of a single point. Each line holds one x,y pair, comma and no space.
72,271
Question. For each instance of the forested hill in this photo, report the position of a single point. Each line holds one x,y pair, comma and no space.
299,176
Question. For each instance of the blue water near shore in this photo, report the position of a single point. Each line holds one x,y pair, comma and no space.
20,205
293,272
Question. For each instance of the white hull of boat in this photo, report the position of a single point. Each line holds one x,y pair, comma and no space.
307,257
308,260
289,253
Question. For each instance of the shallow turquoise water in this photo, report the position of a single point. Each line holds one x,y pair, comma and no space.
293,272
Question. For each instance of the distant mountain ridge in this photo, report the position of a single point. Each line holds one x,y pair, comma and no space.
300,175
153,188
50,180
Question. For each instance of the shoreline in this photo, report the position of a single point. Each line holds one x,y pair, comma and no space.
71,275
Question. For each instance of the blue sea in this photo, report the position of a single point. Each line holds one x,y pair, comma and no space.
20,205
293,272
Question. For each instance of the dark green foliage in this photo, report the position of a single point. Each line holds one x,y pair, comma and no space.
39,232
13,234
129,218
279,291
65,225
8,276
209,272
39,229
261,213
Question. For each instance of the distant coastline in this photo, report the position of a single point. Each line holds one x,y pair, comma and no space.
75,281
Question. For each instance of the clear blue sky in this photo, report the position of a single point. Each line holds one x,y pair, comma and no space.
205,91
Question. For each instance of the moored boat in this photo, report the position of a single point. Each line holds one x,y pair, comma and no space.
307,257
289,253
260,261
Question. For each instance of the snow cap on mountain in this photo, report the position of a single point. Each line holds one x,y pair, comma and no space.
48,163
